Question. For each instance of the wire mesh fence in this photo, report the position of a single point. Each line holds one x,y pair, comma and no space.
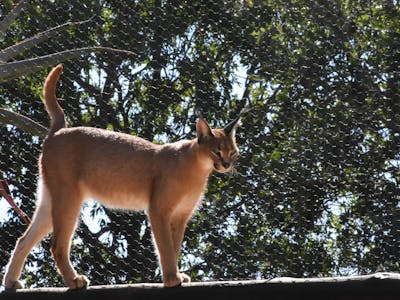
316,188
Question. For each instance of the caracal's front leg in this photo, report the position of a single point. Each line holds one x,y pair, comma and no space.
160,223
178,226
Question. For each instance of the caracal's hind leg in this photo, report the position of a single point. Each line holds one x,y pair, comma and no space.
40,226
65,213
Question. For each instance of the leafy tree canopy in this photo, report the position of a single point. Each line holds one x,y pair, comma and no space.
316,191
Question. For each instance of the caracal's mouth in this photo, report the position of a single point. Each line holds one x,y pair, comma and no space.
221,169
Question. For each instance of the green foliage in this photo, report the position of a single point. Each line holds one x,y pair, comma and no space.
316,190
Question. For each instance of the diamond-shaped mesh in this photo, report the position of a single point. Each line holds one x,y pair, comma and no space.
316,189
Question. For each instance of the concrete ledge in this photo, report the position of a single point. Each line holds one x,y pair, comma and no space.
380,286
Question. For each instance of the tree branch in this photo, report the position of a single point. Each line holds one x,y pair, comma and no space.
22,122
24,67
10,17
14,50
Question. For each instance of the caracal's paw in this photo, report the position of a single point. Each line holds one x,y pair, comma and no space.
175,280
79,282
185,278
13,285
172,280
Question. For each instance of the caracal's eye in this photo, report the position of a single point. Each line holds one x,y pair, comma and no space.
234,155
216,153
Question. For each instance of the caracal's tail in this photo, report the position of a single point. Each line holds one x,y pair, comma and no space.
54,109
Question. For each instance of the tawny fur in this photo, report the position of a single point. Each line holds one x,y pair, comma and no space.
121,171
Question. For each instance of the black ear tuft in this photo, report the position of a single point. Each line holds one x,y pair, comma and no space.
230,129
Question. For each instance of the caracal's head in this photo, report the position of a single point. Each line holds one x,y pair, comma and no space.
219,144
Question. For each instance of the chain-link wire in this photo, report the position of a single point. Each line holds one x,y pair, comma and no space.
316,189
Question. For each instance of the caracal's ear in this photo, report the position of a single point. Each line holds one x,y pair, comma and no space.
230,129
204,131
